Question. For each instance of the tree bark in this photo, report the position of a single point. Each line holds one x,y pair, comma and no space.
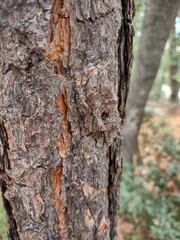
61,101
158,20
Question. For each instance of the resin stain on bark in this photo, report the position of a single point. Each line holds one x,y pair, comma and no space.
66,135
57,186
58,40
58,51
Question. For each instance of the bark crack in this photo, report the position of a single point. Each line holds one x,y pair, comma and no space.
111,192
4,166
125,57
4,146
115,170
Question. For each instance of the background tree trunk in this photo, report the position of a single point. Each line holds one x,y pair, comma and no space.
60,134
158,20
174,58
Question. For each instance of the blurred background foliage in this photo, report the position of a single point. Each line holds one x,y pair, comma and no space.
150,187
3,234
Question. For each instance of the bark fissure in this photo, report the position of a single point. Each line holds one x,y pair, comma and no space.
112,200
4,179
115,170
4,146
125,57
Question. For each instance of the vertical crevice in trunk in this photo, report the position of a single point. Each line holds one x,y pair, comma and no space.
125,57
5,166
115,170
125,54
4,146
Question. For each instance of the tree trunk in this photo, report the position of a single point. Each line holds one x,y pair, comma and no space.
158,20
174,58
61,100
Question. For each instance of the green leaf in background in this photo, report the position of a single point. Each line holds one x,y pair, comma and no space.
3,230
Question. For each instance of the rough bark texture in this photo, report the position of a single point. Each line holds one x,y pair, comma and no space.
158,20
61,100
